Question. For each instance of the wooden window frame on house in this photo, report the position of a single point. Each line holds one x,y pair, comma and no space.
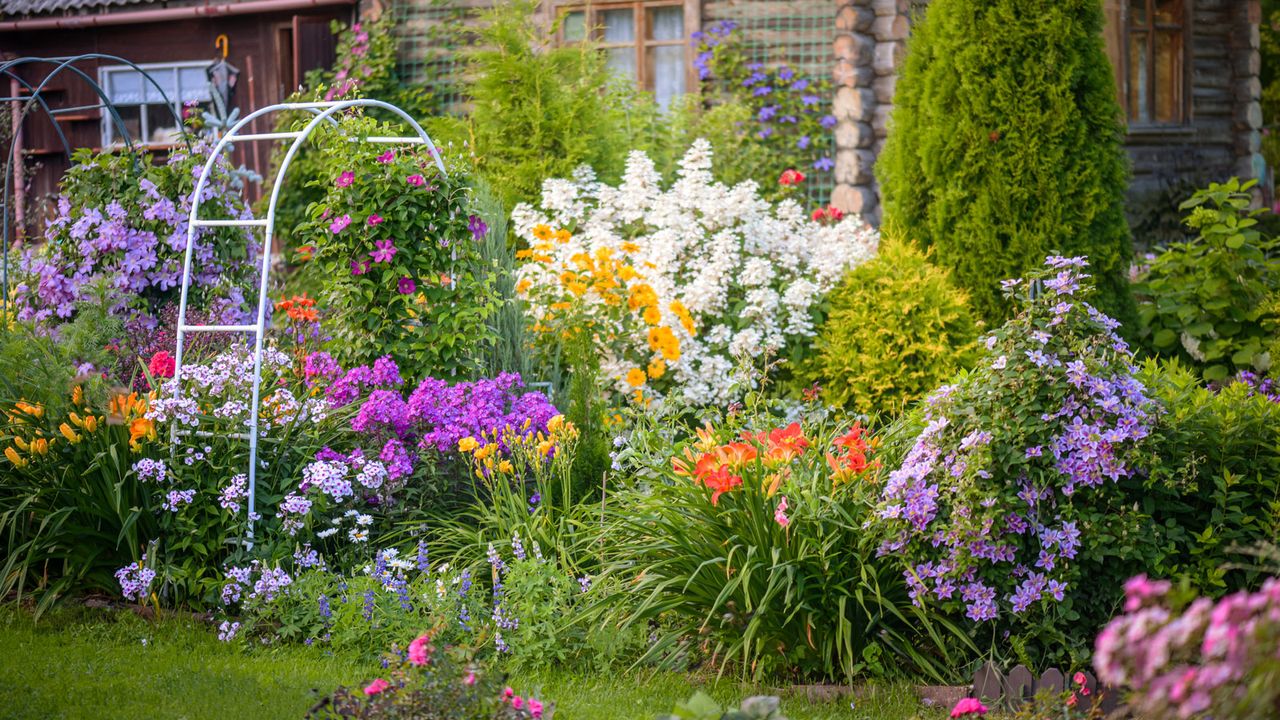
144,139
1123,28
641,41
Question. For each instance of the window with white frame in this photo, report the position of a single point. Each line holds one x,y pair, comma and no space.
147,117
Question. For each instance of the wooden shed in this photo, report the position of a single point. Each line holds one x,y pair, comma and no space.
271,43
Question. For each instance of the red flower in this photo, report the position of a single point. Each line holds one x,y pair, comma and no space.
161,365
791,177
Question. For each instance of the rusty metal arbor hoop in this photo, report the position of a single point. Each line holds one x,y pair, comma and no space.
62,64
323,112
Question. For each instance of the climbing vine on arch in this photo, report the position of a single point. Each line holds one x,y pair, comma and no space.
395,253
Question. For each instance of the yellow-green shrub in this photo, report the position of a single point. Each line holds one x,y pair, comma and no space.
897,327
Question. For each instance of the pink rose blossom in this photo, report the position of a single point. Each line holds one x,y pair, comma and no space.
376,687
535,708
517,702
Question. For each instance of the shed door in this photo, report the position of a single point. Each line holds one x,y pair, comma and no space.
314,46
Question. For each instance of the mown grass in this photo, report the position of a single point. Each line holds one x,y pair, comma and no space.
83,663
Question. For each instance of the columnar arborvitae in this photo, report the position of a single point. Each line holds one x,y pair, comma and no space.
1005,145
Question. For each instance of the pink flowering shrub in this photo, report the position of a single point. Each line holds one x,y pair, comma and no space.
1195,658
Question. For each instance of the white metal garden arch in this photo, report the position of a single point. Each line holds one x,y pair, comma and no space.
324,112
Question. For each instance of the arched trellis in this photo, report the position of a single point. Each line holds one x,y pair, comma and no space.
323,112
8,69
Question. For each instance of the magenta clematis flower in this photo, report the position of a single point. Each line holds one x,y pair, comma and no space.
386,249
359,267
406,286
339,224
375,219
416,180
345,179
387,157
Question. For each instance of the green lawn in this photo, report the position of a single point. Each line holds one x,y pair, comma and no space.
102,665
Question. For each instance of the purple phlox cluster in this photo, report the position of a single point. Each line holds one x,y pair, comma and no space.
1191,662
148,470
233,493
227,630
175,500
448,413
308,557
270,584
135,581
330,477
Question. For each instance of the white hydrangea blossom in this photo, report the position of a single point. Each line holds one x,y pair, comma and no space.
748,272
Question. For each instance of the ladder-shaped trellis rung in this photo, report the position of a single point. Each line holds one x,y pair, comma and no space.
229,223
208,434
393,140
218,328
270,136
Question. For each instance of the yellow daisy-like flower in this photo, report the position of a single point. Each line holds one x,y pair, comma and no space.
563,236
522,287
652,315
657,368
635,377
629,247
542,232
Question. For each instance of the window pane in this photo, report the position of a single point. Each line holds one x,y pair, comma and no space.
1168,85
666,23
1137,12
1138,91
666,73
194,83
1169,12
131,115
619,26
167,79
124,87
161,125
575,27
622,61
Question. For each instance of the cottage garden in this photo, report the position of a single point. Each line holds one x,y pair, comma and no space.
579,435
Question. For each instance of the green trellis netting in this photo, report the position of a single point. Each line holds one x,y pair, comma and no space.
797,33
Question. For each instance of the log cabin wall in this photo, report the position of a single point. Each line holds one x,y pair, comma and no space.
1218,134
260,46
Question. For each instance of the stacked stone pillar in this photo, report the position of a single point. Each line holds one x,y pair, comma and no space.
870,41
1247,89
